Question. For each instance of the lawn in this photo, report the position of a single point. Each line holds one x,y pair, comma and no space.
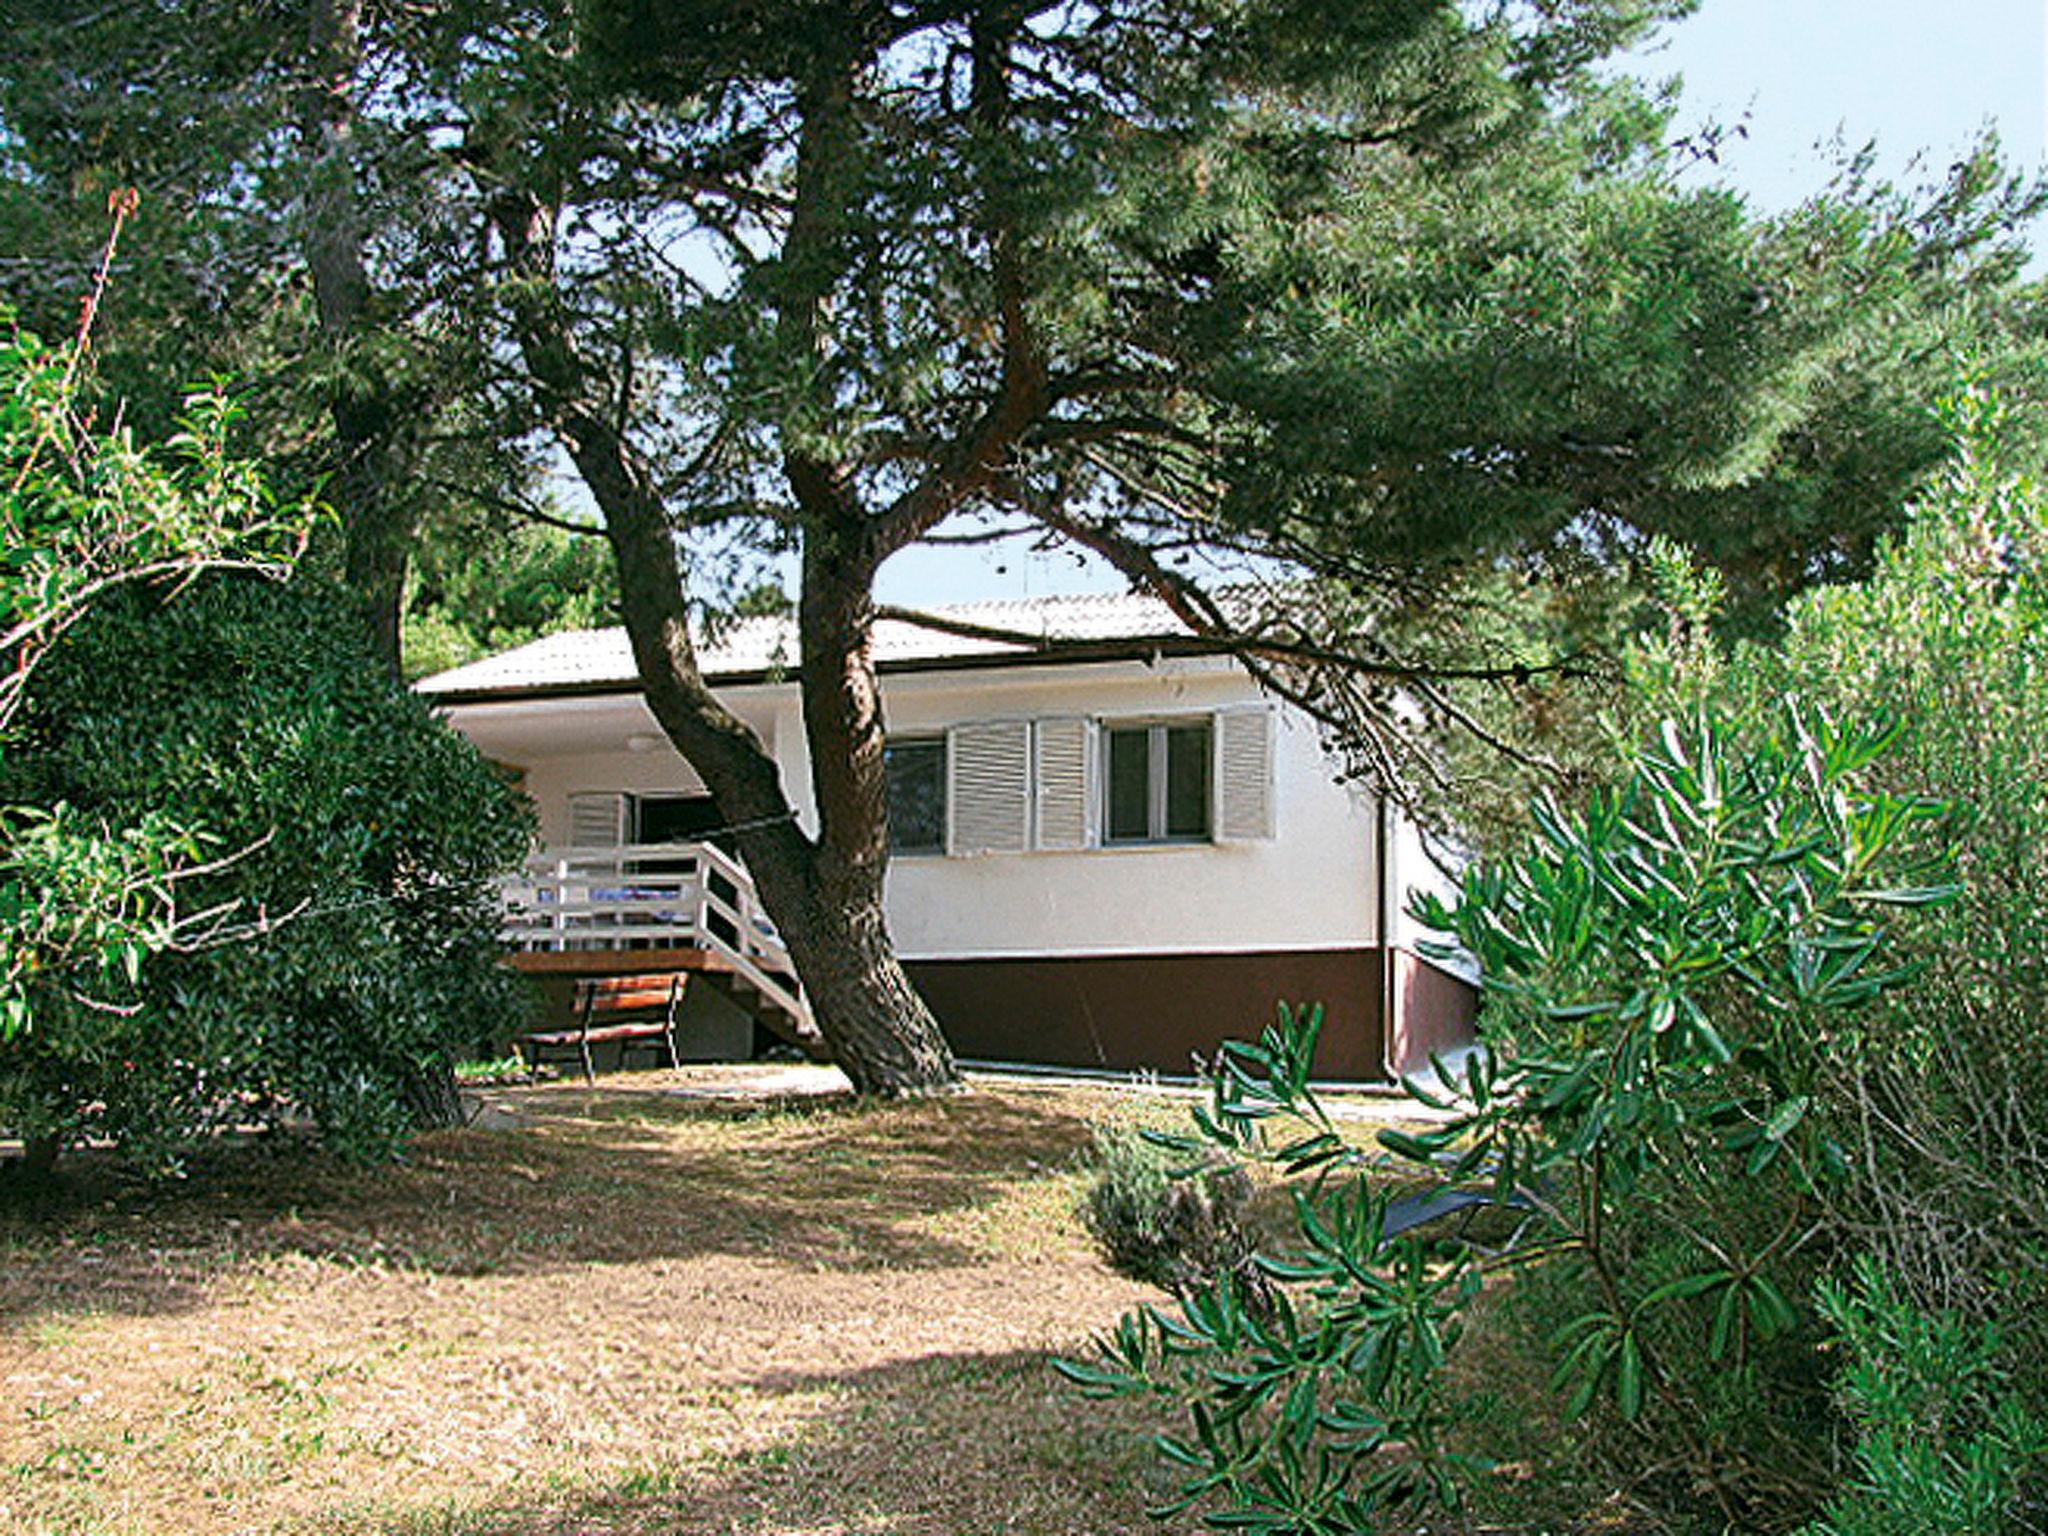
620,1311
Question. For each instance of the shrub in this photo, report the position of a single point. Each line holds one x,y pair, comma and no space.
351,951
1950,637
1947,639
1944,1444
1159,1219
84,513
1670,976
1781,1226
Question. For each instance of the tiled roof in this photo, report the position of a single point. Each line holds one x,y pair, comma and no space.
597,658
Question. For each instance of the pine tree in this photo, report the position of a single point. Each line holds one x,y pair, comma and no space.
1370,294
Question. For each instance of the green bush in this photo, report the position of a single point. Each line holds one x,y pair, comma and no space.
1950,637
342,952
1771,1145
1160,1220
1943,1442
1948,640
1672,978
86,512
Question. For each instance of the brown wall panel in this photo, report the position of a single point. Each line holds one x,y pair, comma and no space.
1435,1012
1131,1012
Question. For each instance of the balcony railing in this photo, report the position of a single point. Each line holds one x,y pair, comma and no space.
650,896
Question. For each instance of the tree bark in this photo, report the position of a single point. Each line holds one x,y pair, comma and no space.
825,896
887,1028
432,1100
881,1032
378,524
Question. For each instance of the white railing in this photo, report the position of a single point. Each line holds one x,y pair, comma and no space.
650,896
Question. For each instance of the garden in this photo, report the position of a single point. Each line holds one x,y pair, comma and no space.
1674,563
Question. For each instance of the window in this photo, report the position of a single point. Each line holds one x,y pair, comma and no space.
915,775
1156,789
679,819
676,819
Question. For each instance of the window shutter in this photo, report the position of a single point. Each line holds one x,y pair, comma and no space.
988,783
1244,775
597,821
1063,749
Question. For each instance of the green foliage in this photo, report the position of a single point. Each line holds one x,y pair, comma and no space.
486,584
84,514
1676,977
1951,635
340,950
1159,1220
1948,638
1672,977
80,906
1400,290
1943,1443
1762,1093
1317,1400
504,1069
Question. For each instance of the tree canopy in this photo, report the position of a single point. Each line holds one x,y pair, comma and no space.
1384,293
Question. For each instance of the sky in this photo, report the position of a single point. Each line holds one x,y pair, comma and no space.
1911,75
1922,80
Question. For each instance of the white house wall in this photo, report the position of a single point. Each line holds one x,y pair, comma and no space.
1310,887
1415,871
1120,957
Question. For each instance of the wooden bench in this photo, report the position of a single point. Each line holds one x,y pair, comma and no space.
628,1011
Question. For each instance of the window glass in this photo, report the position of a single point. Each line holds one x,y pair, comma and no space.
1187,781
1130,786
678,819
1158,787
915,772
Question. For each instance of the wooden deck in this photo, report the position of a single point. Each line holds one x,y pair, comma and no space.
644,908
616,962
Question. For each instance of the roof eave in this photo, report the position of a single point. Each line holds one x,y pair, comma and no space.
1060,653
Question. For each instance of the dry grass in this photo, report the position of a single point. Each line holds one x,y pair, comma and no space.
629,1312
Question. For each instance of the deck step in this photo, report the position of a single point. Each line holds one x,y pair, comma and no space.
769,1014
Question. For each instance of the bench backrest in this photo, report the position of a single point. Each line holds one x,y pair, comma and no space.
629,994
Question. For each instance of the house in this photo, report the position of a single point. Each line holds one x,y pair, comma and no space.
1110,849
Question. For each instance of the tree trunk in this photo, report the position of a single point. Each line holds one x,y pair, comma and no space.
880,1032
379,533
378,523
883,1033
431,1098
825,896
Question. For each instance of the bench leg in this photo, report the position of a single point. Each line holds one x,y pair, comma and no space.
583,1039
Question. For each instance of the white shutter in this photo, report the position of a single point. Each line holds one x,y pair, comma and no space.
1063,750
1244,775
597,820
988,787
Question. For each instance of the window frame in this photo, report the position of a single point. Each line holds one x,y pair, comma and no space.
943,846
1158,783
